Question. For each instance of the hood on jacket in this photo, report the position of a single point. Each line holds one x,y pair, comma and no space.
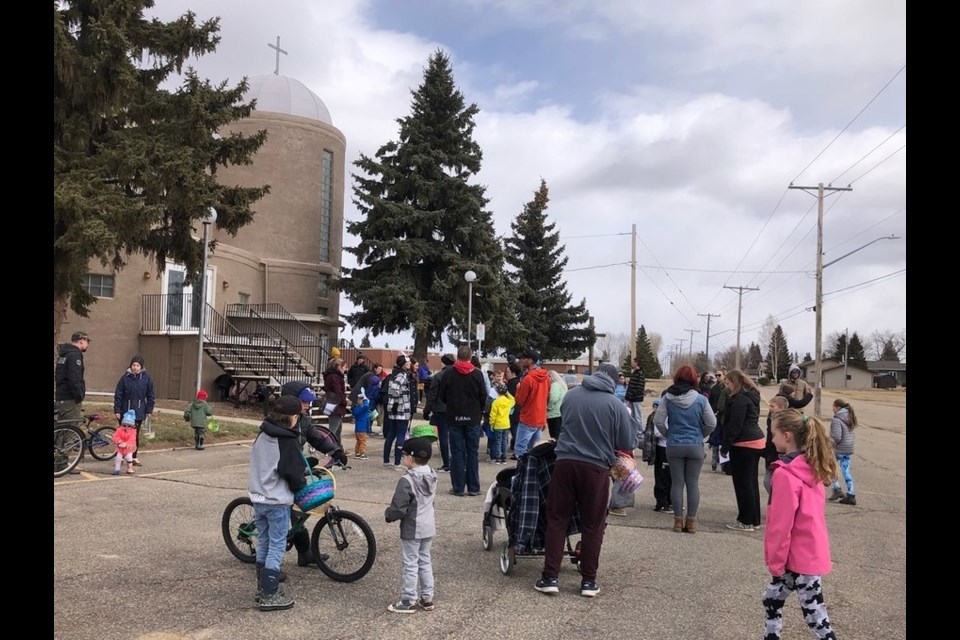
538,374
753,394
844,415
597,382
277,430
683,399
794,369
424,480
464,367
67,347
797,467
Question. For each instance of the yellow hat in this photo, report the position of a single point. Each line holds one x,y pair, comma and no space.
334,353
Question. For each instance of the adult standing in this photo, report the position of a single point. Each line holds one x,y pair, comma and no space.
396,390
596,426
71,388
684,418
801,390
532,393
334,388
135,393
636,388
464,393
558,389
512,376
435,411
357,370
744,441
719,395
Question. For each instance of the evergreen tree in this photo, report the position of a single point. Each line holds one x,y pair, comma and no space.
754,357
856,353
135,165
890,352
424,225
778,355
840,348
646,357
365,342
549,323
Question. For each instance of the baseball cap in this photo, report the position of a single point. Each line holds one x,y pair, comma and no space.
306,395
419,448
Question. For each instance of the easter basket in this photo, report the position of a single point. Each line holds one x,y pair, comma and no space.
318,491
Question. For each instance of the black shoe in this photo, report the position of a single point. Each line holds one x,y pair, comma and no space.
305,559
547,585
473,493
850,499
513,457
660,507
589,588
444,469
459,494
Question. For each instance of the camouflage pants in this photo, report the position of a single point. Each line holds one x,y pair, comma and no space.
810,593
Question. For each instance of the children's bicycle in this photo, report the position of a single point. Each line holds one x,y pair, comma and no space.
342,541
71,437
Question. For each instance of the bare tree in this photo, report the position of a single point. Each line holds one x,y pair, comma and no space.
878,341
656,343
616,346
766,333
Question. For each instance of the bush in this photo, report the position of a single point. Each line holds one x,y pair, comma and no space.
764,381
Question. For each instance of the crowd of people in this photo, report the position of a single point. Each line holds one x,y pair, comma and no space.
592,428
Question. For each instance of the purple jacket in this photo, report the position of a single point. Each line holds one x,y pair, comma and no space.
795,536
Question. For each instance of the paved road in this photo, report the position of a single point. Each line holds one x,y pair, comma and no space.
142,558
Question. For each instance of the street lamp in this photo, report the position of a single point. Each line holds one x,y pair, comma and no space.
469,276
819,311
207,220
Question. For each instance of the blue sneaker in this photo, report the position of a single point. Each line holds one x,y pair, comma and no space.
403,607
589,588
547,585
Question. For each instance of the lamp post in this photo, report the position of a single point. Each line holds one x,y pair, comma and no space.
469,276
209,219
819,311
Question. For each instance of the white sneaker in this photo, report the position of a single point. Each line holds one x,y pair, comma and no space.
739,526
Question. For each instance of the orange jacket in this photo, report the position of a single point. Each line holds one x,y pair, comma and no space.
532,398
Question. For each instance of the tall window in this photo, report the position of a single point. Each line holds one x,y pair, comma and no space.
326,205
323,288
99,285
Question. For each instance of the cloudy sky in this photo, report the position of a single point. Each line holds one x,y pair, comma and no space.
688,119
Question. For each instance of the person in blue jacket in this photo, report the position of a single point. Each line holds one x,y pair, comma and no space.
134,393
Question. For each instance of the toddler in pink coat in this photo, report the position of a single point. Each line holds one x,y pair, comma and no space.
796,547
125,438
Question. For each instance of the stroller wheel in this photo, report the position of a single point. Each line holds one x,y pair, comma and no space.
508,559
487,537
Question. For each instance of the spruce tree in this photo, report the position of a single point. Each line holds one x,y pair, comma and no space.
840,348
424,224
365,342
548,321
889,352
646,357
754,357
855,352
778,355
134,165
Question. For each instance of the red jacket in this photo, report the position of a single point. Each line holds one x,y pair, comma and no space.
532,397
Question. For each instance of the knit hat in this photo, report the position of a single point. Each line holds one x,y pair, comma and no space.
533,354
137,359
424,431
287,406
334,353
201,395
447,359
129,418
500,388
420,448
609,370
401,360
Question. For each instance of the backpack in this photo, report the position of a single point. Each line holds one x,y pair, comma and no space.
648,445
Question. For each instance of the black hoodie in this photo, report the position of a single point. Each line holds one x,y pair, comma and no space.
742,418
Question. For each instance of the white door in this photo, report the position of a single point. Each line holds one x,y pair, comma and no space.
181,309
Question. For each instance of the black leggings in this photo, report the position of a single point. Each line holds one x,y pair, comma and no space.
744,464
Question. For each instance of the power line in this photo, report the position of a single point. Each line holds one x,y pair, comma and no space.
879,163
868,153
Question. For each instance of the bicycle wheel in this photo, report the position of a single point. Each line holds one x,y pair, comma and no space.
343,545
101,443
239,530
67,448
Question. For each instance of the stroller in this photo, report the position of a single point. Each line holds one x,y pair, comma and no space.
517,501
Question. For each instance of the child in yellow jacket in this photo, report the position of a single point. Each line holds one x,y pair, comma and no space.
500,423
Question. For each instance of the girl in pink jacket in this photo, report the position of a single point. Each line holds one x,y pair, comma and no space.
796,547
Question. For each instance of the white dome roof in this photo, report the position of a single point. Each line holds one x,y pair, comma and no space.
281,94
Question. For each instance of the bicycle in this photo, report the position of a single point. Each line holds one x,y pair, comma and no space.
342,542
72,437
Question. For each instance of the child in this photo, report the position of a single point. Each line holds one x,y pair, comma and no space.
662,480
500,423
412,505
841,432
276,473
361,424
125,437
777,404
796,548
197,414
620,391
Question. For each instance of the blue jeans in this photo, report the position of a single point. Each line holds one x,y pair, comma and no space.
439,420
272,522
636,412
464,459
527,436
393,430
498,449
844,462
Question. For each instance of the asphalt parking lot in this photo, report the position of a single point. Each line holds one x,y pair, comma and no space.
142,558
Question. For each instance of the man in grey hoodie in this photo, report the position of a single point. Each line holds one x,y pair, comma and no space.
595,427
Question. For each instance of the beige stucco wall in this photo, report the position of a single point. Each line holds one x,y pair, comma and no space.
859,379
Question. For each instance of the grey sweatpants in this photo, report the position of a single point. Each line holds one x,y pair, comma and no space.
417,565
685,462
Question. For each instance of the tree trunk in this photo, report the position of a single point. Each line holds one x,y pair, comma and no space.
420,345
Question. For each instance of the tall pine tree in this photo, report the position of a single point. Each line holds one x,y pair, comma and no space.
646,357
840,348
778,355
855,352
424,225
548,321
134,165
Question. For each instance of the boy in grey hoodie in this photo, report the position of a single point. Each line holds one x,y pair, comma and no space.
412,505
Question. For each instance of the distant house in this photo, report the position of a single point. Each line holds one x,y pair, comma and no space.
833,375
888,374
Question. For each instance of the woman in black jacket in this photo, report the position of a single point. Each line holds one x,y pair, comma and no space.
743,441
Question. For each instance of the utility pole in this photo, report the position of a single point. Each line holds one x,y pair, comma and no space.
708,316
819,300
740,291
633,293
590,350
846,354
691,332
